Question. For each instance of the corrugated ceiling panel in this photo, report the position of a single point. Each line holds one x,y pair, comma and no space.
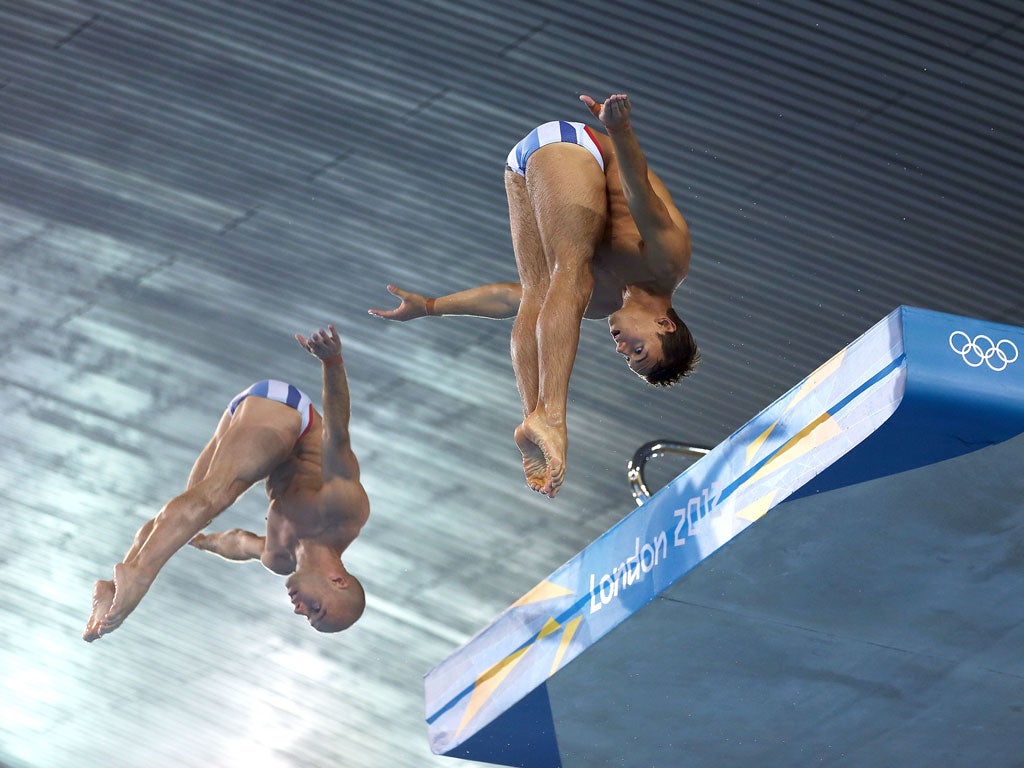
184,185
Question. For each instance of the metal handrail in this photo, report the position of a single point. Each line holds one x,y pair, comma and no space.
653,450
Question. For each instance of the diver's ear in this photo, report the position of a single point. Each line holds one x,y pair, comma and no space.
340,581
667,324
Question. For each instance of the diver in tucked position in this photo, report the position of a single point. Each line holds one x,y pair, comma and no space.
595,234
317,504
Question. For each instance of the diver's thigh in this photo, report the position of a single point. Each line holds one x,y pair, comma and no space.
202,463
260,436
569,198
526,242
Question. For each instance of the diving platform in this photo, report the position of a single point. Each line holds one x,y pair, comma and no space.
872,614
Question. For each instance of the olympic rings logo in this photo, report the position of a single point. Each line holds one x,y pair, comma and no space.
982,350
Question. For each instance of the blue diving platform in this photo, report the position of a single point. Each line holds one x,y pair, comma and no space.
872,614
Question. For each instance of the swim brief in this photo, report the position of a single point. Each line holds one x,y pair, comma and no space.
279,391
551,133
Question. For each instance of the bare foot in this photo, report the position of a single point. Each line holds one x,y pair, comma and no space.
102,597
129,589
534,464
543,449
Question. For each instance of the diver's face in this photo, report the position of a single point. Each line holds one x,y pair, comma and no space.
636,339
317,597
307,598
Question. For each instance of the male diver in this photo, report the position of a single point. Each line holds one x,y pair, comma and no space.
317,504
595,234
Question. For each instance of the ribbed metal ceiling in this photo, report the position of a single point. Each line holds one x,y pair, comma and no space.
184,185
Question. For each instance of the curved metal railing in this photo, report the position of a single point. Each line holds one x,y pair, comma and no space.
653,450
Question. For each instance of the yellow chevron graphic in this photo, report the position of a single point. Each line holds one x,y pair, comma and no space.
757,509
815,434
546,590
815,379
755,445
563,644
488,683
549,626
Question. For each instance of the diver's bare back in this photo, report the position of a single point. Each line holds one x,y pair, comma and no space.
621,258
302,506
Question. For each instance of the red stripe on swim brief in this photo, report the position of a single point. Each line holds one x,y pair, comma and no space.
593,138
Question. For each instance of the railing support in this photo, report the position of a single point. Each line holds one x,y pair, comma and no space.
654,450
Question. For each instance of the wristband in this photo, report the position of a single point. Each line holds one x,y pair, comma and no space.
333,361
430,306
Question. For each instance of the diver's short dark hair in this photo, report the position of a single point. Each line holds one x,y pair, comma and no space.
679,354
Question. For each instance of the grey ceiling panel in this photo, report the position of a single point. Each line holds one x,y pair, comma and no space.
185,185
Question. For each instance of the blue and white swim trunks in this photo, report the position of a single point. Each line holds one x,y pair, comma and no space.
281,392
552,133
